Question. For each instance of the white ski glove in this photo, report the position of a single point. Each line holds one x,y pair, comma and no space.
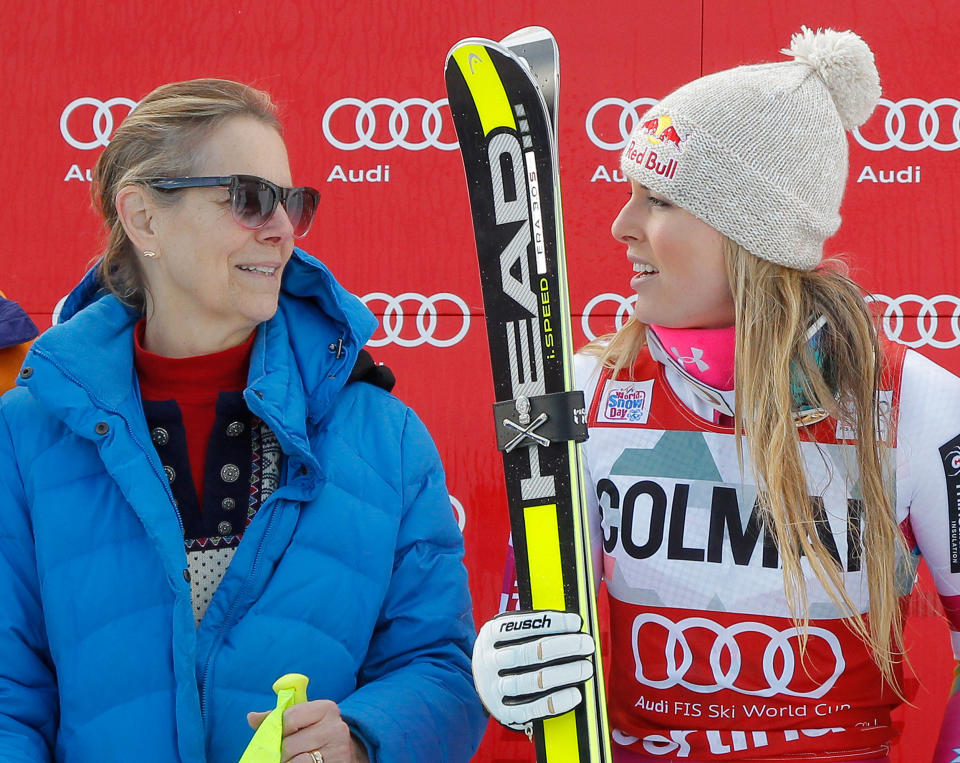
526,665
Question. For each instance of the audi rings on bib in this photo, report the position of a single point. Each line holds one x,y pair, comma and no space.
629,116
624,309
103,121
398,124
725,644
928,125
394,316
927,317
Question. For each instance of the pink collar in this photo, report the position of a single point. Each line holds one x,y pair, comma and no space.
705,354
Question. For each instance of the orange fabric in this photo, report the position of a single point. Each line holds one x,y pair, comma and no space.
11,358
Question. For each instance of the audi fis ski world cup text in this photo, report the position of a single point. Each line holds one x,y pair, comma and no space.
683,708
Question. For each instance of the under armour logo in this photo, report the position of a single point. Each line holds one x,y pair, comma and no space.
696,359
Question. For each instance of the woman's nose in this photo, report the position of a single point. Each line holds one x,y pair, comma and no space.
278,227
628,224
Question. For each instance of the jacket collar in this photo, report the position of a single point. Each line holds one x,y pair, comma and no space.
88,357
719,400
722,401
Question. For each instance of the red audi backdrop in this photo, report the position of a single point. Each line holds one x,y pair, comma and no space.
361,89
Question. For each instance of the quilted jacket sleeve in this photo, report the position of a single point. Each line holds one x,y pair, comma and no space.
416,701
28,692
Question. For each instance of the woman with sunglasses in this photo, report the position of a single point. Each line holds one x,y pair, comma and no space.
762,472
200,493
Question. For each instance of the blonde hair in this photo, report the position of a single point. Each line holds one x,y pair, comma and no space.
161,137
774,307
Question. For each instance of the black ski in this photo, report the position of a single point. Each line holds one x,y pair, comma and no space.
507,134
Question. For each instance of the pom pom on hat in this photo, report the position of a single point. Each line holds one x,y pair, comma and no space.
845,64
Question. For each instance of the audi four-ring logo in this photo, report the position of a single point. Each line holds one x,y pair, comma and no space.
910,124
779,658
398,116
909,319
103,120
928,314
619,116
624,309
426,320
928,125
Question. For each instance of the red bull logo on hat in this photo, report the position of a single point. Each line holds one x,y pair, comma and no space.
650,141
660,130
647,158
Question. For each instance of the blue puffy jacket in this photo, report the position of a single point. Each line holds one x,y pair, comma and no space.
351,572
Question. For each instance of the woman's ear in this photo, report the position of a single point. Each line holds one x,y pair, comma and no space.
136,211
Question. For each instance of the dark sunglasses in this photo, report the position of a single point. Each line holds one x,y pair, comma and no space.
253,200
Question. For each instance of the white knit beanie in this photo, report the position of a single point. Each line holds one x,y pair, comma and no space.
759,152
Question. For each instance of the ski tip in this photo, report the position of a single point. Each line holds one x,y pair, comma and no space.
527,34
467,42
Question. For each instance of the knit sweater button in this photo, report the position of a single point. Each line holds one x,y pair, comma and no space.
227,503
235,429
171,473
224,528
186,575
160,436
230,473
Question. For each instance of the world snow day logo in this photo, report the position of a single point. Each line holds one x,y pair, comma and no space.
625,402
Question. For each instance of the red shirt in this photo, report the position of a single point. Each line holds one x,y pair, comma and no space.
194,384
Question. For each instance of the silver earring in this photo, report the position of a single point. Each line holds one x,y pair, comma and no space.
149,253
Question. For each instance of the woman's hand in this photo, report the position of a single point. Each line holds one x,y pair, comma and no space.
315,725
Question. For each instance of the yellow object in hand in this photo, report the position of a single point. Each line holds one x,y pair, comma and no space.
267,742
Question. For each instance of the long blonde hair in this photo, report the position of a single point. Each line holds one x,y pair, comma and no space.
774,307
161,138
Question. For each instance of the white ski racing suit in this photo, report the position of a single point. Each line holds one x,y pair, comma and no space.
706,660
